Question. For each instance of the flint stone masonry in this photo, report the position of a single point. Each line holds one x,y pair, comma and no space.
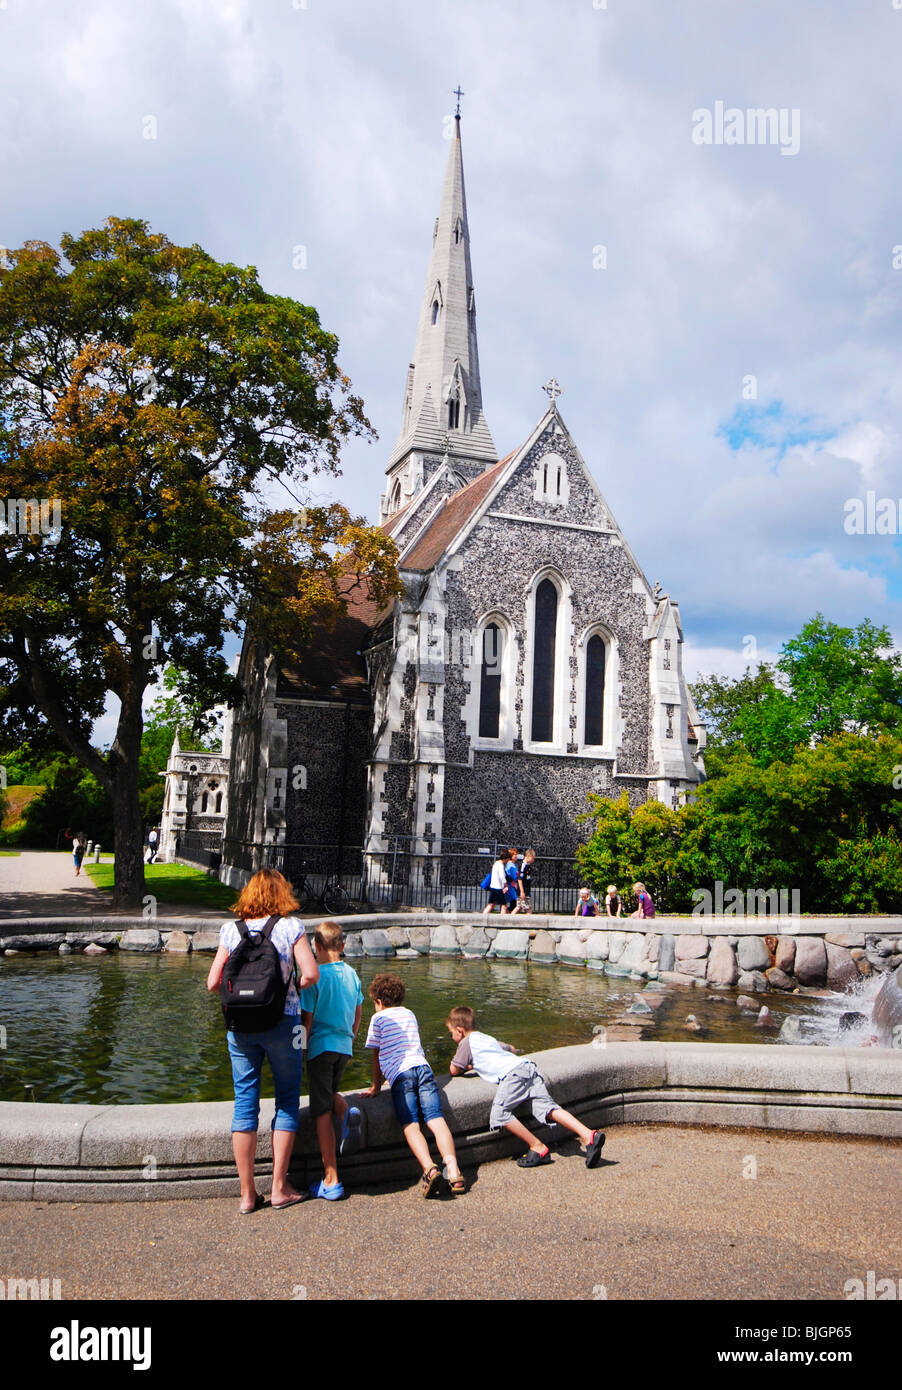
98,1153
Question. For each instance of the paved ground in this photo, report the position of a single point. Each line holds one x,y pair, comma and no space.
670,1215
42,883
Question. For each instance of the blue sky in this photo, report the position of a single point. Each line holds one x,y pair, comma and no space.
279,125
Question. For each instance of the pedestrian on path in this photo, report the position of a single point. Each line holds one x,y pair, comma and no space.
79,845
153,844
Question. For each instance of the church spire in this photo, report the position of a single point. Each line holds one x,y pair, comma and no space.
443,397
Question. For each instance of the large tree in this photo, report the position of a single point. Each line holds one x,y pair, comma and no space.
150,401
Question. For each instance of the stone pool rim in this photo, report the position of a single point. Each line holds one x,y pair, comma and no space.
60,1152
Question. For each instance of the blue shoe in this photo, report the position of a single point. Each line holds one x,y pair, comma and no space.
331,1194
351,1136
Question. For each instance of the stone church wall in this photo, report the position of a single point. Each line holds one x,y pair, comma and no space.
328,746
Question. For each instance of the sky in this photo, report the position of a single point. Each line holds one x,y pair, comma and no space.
723,317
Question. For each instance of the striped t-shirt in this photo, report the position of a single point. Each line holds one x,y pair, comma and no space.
396,1034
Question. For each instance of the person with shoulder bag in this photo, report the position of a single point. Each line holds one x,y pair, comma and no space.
254,973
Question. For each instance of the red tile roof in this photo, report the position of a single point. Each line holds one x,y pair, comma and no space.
450,520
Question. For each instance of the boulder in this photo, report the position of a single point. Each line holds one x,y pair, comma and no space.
752,981
477,945
691,947
639,1006
692,1025
542,948
510,944
778,979
64,949
696,968
811,961
634,954
752,953
178,942
398,936
205,941
420,939
652,942
765,1019
92,949
616,945
676,977
841,968
463,935
745,1001
722,967
572,951
666,952
845,938
597,950
353,945
406,953
785,955
444,941
143,939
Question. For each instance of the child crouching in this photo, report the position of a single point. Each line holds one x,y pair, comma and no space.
519,1081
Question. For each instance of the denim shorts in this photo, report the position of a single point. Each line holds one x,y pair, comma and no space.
280,1046
415,1097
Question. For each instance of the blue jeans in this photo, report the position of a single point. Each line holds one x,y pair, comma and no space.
415,1095
247,1051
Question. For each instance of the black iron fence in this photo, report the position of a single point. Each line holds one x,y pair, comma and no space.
402,873
201,847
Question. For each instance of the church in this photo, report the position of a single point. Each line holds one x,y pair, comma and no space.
528,663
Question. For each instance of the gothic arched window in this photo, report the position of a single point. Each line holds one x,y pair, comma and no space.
435,311
594,693
543,665
454,412
218,802
490,681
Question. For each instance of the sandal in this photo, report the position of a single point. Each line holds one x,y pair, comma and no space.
258,1203
431,1180
457,1185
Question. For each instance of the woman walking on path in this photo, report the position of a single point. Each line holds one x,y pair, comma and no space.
79,845
263,910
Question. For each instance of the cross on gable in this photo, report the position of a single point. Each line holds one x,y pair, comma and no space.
552,389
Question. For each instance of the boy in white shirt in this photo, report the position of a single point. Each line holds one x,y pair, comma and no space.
518,1080
394,1039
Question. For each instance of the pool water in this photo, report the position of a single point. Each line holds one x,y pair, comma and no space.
141,1029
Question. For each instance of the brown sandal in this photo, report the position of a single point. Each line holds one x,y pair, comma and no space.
458,1185
431,1180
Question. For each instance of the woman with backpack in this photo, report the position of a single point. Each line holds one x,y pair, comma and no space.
254,972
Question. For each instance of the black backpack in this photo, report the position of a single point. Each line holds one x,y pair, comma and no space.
253,991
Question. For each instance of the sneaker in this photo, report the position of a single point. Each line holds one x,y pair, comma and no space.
351,1132
533,1160
333,1193
594,1148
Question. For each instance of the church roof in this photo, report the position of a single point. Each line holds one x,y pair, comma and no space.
450,520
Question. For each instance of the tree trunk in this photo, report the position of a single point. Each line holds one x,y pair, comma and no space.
128,829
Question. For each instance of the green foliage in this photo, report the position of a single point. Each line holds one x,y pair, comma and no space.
828,679
154,394
827,823
72,800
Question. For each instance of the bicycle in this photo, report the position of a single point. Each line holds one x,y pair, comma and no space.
333,898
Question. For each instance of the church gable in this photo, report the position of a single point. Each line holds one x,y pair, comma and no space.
551,483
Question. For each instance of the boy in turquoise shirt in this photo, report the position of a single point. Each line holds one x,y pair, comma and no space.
331,1011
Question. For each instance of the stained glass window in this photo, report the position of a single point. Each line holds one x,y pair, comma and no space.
490,682
544,638
594,723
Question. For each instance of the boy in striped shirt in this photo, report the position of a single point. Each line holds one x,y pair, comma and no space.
394,1039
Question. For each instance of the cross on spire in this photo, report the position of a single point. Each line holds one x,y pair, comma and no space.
553,390
458,93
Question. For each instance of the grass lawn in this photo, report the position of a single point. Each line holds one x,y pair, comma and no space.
8,853
173,883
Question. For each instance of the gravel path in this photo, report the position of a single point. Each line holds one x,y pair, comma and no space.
669,1215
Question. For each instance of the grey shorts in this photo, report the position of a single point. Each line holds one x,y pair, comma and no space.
324,1074
524,1083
